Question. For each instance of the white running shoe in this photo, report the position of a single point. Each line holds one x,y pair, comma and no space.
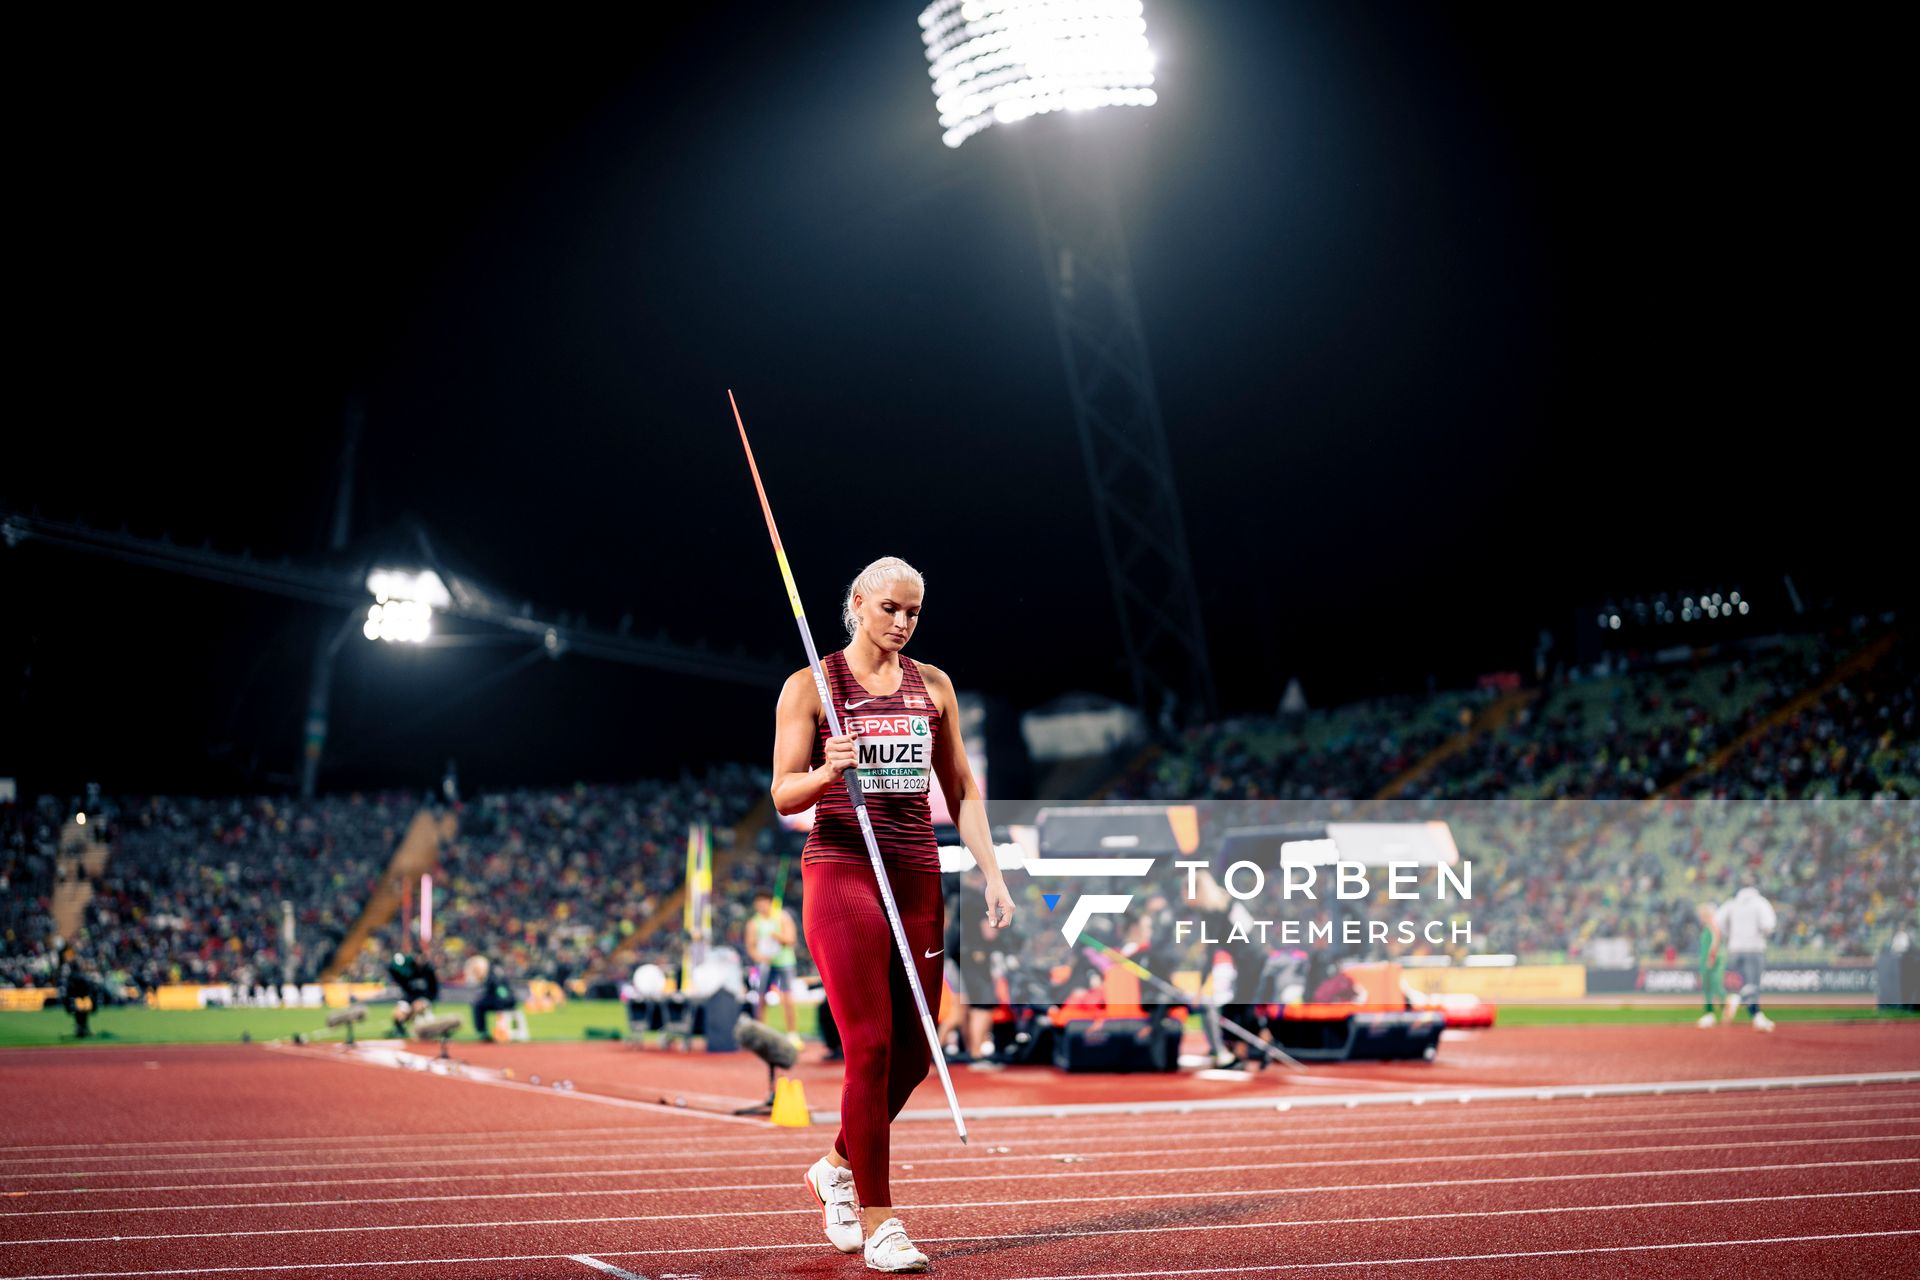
1706,1020
832,1186
888,1249
1761,1022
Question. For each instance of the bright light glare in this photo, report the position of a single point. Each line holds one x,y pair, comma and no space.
399,621
998,61
423,585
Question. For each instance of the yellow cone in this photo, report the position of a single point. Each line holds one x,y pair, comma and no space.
790,1104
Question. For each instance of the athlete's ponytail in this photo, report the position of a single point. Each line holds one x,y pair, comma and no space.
873,578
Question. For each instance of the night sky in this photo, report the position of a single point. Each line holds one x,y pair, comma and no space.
1464,318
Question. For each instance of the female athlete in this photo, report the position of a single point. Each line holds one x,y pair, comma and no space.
901,728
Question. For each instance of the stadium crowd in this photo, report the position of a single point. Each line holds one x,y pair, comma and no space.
549,883
545,882
192,890
555,882
1771,721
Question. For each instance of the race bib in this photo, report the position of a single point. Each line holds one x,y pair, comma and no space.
896,754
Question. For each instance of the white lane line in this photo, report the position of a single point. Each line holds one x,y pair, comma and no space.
1285,1140
963,1205
628,1149
1031,1235
815,1244
607,1267
321,1139
1829,1140
300,1266
1544,1093
1481,1257
783,1186
786,1189
1280,1143
1509,1115
1582,1110
385,1144
570,1095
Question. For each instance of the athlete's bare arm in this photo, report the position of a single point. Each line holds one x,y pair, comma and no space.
796,785
964,800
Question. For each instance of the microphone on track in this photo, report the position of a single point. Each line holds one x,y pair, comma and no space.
764,1043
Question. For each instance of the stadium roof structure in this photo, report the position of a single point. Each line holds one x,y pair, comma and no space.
340,580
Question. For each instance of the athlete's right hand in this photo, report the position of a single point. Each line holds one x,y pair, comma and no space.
842,754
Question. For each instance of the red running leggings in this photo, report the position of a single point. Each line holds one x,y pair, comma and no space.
880,1031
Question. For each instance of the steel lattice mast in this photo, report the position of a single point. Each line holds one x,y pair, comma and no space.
1000,61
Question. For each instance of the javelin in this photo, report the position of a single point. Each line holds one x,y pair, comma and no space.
853,784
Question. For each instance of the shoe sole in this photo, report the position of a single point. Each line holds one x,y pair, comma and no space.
815,1193
901,1271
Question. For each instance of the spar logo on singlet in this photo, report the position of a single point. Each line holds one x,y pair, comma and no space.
896,754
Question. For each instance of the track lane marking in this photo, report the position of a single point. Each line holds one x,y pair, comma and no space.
1450,1113
960,1206
1553,1114
1480,1257
1360,1262
1004,1157
1913,1136
1501,1093
1071,1235
1340,1137
605,1100
321,1139
607,1267
782,1186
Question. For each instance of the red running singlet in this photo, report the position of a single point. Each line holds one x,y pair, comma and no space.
897,737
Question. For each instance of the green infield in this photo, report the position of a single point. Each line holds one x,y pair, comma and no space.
593,1019
137,1024
1562,1015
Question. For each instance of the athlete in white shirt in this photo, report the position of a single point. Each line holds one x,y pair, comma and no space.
1744,921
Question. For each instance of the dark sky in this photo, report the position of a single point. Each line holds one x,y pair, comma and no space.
1463,318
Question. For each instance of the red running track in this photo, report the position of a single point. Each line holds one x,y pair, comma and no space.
244,1161
1506,1057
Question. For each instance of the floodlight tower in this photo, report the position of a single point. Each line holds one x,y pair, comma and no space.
313,729
1001,61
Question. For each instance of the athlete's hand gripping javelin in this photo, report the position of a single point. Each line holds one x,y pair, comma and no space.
843,753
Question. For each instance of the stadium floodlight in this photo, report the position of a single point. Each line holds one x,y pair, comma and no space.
403,604
423,585
398,621
998,61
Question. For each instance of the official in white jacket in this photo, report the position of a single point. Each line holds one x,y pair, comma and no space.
1745,920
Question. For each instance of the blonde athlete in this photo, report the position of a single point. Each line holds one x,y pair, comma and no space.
901,729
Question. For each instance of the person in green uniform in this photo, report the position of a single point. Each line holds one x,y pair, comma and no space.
770,937
1713,966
